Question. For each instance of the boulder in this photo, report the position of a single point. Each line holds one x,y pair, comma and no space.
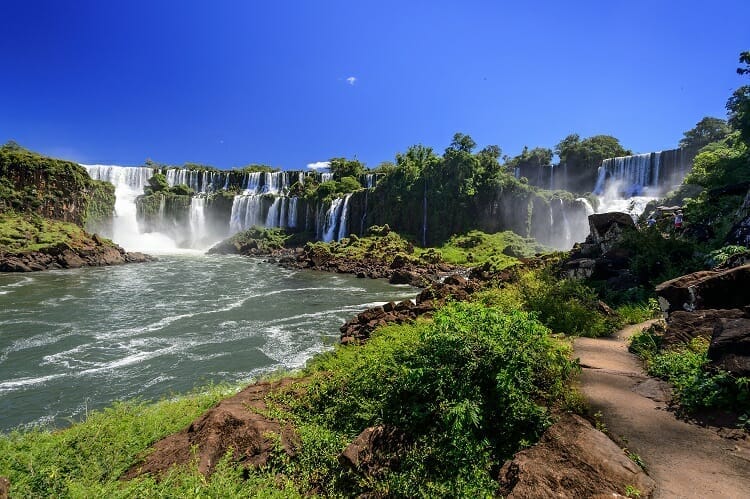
375,451
239,424
730,345
606,228
572,460
717,289
4,488
683,326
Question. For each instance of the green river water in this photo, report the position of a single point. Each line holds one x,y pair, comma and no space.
76,340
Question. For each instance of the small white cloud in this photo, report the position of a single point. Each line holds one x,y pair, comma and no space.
319,165
351,80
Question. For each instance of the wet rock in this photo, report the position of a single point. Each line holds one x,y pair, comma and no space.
572,460
579,268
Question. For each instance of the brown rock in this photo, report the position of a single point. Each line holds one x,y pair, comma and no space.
683,326
730,345
456,280
572,460
722,289
237,423
4,488
376,450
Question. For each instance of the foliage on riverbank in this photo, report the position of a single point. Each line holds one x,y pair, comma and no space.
697,387
87,459
467,389
21,233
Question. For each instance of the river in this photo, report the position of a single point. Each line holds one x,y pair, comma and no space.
76,340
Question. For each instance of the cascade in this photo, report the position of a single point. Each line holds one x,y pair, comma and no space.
566,225
343,219
197,219
332,217
292,218
129,183
628,183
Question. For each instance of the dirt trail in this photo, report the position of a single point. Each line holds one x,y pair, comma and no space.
685,460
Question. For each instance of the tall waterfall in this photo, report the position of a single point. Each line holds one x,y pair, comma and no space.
129,183
343,219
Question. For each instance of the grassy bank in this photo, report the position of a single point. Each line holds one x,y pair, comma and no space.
29,232
467,389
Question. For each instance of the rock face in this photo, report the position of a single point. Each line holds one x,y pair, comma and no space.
96,254
723,289
572,460
236,423
597,256
713,304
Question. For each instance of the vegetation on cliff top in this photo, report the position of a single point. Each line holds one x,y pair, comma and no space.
53,188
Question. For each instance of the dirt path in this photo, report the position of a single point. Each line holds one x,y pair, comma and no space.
686,460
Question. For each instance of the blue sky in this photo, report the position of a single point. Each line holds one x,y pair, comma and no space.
229,83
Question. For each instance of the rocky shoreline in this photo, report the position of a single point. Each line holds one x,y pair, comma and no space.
96,252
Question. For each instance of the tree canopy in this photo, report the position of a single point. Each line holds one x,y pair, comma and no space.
706,131
589,152
739,103
342,167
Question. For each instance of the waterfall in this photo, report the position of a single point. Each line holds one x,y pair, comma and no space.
197,219
326,177
628,183
292,217
246,212
343,220
587,206
566,226
129,183
274,213
332,218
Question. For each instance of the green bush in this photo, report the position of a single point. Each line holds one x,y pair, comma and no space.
697,387
157,183
566,305
470,388
181,190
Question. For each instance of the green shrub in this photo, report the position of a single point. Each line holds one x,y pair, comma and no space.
470,388
181,190
637,312
697,387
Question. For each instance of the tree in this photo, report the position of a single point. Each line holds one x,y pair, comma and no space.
461,143
738,104
342,167
706,131
590,152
